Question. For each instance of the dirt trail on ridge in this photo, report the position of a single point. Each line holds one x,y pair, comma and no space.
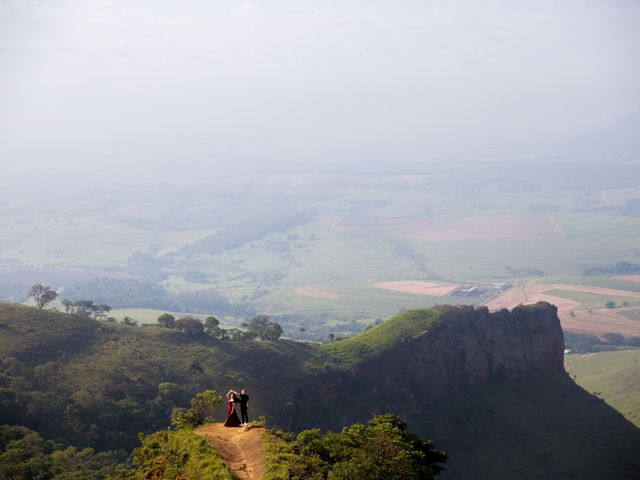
240,447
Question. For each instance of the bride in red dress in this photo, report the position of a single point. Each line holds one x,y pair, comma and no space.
232,416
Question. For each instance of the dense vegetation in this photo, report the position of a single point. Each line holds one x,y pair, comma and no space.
620,268
584,343
25,455
97,384
382,449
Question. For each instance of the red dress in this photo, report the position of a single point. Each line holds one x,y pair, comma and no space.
232,416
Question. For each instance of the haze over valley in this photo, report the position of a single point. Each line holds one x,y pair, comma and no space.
429,209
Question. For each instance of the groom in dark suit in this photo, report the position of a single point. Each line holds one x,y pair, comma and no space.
244,402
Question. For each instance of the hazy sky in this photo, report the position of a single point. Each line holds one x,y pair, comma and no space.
179,83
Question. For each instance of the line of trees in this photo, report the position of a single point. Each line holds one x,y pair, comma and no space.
259,327
43,295
87,308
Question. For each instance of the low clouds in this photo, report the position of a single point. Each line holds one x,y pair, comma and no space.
115,84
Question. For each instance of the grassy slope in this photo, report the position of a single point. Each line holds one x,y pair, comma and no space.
381,337
613,376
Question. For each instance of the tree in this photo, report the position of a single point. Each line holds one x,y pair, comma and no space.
84,307
332,337
273,331
68,305
235,334
203,407
261,327
610,304
87,308
205,404
614,338
625,304
302,330
212,327
184,418
100,311
42,295
167,320
256,326
190,326
633,341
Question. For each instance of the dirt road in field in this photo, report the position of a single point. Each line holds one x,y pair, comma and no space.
241,448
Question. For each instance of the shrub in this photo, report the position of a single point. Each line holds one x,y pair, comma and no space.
184,418
381,449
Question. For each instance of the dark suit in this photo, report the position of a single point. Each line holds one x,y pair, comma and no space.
244,400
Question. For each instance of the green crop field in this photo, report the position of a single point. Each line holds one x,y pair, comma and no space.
613,376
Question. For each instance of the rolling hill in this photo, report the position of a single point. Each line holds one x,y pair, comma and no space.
490,389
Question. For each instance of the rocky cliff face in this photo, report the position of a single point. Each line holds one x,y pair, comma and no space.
466,347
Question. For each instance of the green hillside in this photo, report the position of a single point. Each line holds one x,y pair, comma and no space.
612,376
382,337
97,384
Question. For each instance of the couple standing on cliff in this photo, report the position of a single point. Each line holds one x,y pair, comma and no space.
235,399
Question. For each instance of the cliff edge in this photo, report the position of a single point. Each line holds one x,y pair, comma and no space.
456,347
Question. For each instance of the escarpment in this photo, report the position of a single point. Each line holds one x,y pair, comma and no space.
463,347
469,346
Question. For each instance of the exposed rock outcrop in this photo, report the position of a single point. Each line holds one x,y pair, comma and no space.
466,346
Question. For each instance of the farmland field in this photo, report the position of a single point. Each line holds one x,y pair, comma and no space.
366,248
421,288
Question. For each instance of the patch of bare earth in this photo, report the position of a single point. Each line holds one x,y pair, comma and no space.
240,447
419,287
311,291
598,322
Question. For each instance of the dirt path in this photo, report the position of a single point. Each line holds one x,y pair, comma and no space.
241,448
